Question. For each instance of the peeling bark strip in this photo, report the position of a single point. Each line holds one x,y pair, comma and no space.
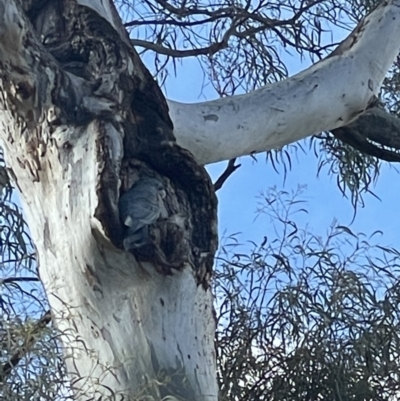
82,119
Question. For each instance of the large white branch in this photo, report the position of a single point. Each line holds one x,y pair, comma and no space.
330,94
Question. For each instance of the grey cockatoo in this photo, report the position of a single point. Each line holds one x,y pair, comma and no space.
139,207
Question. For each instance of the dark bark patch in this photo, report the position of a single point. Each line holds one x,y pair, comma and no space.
47,236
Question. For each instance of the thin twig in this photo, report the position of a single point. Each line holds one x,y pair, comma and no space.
18,279
206,51
230,169
14,360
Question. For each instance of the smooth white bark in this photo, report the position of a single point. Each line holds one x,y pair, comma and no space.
330,94
125,329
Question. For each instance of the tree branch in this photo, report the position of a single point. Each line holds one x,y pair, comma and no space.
329,95
237,15
168,21
230,169
18,280
375,133
206,51
29,342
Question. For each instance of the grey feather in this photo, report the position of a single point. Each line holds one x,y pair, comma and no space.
138,208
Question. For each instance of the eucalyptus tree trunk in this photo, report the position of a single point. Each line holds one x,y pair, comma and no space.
82,120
